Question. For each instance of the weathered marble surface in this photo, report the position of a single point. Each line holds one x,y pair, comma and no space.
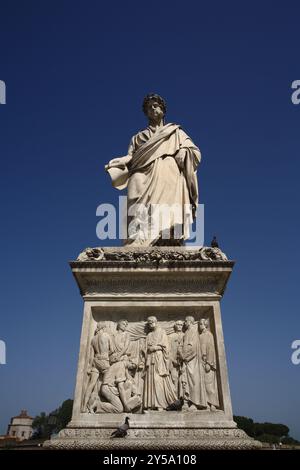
124,294
159,171
161,255
160,439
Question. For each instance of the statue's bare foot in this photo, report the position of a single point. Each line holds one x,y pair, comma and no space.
185,407
192,408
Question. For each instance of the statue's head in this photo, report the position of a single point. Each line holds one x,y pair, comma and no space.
131,366
122,325
178,325
101,325
152,322
189,321
154,106
203,324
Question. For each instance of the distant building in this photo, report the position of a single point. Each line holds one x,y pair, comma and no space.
20,427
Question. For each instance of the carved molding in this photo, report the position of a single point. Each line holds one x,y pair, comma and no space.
153,433
142,285
162,439
154,255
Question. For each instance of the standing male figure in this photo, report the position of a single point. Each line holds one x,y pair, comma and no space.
209,364
159,391
159,172
193,385
176,340
121,342
101,346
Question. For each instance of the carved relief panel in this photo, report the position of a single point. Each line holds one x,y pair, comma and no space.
147,364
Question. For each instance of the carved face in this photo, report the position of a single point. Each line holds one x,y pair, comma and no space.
178,326
100,326
122,325
202,325
154,111
152,322
188,322
131,366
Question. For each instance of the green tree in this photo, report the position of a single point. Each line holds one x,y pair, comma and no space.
265,432
289,440
278,430
246,424
269,438
44,425
65,413
42,429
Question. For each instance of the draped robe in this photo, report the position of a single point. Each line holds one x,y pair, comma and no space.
193,380
155,181
159,391
209,357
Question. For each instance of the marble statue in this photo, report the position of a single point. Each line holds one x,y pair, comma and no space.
101,345
159,172
209,363
137,358
154,368
194,392
175,340
146,366
168,371
159,391
121,342
118,390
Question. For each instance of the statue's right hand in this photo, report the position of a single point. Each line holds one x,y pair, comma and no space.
116,162
119,162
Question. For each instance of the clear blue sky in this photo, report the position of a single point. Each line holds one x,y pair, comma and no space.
76,73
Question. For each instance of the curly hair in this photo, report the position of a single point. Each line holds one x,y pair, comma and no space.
159,99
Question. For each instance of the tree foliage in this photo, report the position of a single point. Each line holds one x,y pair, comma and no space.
269,438
289,440
44,425
246,424
278,430
265,432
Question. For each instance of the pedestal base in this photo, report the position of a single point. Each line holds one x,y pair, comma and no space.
168,284
154,439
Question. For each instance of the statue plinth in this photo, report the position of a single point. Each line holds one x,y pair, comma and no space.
170,284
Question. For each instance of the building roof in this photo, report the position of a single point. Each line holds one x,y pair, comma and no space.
23,415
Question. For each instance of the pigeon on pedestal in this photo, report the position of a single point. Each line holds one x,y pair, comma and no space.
214,243
121,431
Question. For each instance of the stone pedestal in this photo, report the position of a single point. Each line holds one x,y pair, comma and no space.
169,283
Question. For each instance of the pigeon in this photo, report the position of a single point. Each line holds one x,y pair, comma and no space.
214,243
175,406
121,431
